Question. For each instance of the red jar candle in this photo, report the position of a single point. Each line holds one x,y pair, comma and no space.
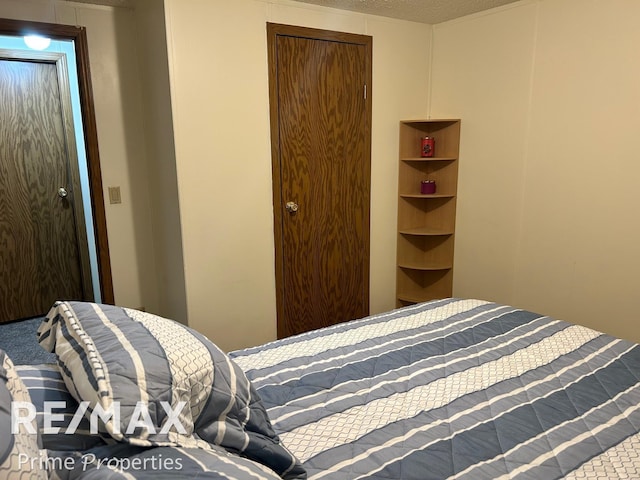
428,146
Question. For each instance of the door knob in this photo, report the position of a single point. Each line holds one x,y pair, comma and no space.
292,207
62,192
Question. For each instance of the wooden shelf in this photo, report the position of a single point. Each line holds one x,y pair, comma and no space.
426,222
427,195
429,159
421,266
426,231
423,285
411,299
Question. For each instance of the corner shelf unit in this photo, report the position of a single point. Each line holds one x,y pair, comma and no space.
426,222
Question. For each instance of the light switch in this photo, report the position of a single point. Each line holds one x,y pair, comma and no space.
114,195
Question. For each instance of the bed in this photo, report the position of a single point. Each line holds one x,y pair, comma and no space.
453,388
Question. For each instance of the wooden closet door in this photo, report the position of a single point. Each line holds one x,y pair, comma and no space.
321,177
39,252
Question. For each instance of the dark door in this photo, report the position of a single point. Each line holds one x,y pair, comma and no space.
321,142
43,252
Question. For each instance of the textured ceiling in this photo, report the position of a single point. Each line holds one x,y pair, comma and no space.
424,11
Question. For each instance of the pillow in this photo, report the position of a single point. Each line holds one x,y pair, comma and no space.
45,385
19,453
164,383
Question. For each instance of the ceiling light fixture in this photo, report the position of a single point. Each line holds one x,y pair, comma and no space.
37,42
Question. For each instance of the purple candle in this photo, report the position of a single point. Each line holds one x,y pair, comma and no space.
428,187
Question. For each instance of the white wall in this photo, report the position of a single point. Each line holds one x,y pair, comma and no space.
482,67
151,43
548,205
219,90
117,98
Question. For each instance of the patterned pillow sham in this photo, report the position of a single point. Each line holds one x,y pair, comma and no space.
168,384
19,453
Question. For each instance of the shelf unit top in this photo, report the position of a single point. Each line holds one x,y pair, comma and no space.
431,120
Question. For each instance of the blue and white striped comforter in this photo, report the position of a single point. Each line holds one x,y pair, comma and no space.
454,389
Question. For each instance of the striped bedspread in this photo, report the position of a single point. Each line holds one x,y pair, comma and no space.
462,389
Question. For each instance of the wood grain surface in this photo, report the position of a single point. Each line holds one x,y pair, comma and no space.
78,35
324,146
39,260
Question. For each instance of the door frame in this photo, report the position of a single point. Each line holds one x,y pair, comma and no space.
79,37
273,31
